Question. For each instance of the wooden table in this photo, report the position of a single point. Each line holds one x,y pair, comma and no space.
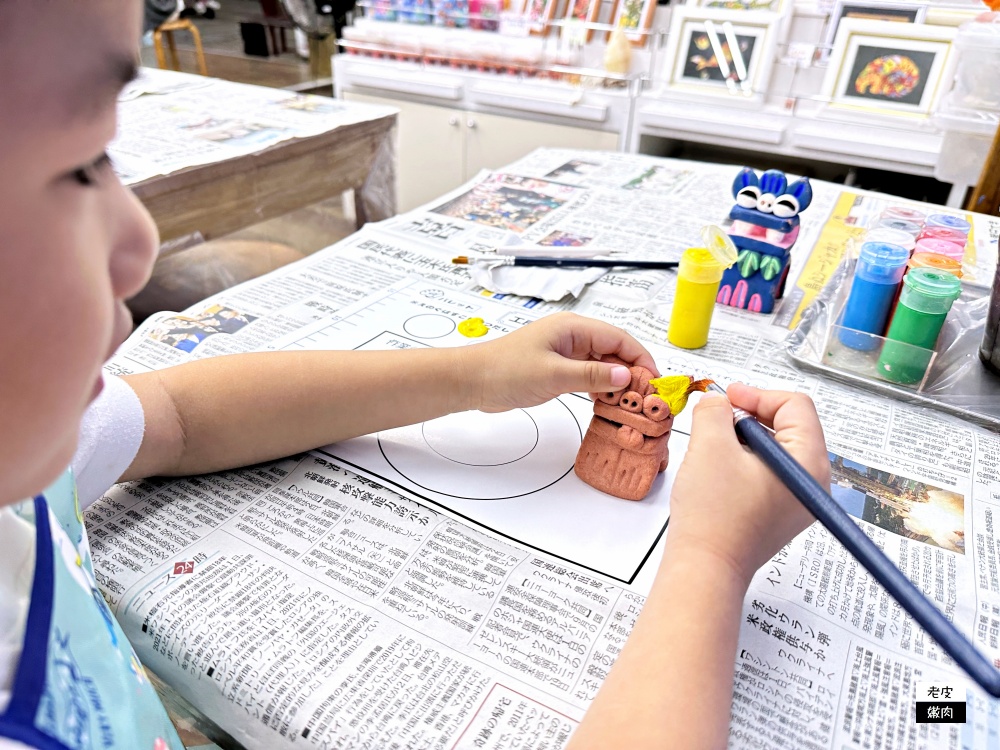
222,197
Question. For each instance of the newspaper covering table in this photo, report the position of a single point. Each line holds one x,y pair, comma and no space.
208,157
338,599
168,121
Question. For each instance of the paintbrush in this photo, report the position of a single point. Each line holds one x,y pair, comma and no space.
558,251
828,512
513,260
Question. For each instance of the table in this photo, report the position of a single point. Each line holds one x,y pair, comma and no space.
212,156
417,582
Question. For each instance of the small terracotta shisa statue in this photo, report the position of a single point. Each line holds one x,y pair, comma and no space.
626,444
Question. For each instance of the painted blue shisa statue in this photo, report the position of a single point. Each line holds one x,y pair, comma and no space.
765,225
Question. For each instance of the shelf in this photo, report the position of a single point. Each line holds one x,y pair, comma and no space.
718,121
429,61
415,82
862,143
546,100
525,77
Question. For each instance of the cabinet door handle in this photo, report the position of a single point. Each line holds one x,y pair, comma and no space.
470,123
453,121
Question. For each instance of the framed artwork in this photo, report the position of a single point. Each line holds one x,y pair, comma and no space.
720,53
585,11
538,13
635,17
889,68
774,6
870,11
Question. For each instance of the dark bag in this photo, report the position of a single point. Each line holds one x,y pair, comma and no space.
156,12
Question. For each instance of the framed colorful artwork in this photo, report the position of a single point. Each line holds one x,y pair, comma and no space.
635,17
774,6
538,14
871,11
889,68
720,53
584,11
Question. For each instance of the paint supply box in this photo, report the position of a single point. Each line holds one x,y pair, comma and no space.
951,376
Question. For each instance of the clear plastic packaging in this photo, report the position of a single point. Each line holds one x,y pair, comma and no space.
955,380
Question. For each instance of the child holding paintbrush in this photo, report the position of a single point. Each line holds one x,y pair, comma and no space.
76,244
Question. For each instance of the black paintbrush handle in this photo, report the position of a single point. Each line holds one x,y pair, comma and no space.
594,263
836,520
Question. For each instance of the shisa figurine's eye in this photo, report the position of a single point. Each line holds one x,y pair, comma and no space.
748,197
786,206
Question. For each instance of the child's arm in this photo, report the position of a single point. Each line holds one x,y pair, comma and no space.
237,410
672,684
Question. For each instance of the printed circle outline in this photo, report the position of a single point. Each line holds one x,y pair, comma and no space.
382,445
415,329
423,432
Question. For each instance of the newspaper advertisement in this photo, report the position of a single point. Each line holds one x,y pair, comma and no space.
346,598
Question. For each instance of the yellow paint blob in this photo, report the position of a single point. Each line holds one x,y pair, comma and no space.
473,328
675,389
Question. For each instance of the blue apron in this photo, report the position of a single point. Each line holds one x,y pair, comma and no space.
78,684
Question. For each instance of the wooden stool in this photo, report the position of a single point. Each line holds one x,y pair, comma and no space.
168,29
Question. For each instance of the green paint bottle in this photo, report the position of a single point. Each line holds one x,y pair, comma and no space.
924,303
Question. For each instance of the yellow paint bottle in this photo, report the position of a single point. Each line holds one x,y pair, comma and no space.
698,278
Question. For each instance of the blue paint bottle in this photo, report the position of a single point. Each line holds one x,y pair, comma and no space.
876,279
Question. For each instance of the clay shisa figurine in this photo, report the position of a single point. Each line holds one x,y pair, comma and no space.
626,444
765,226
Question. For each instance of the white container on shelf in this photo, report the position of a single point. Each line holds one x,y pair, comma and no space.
977,74
969,113
968,135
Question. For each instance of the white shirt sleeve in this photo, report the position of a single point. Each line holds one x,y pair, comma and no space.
110,436
12,745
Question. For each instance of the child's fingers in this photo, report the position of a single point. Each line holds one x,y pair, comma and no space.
779,410
712,429
600,339
792,416
571,376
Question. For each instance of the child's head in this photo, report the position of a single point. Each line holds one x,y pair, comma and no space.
73,242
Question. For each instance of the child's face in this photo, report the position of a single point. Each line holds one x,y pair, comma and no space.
73,242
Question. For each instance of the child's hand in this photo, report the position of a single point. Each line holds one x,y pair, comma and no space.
725,500
554,355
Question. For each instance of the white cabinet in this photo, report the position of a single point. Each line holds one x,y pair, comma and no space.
492,141
430,150
439,148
